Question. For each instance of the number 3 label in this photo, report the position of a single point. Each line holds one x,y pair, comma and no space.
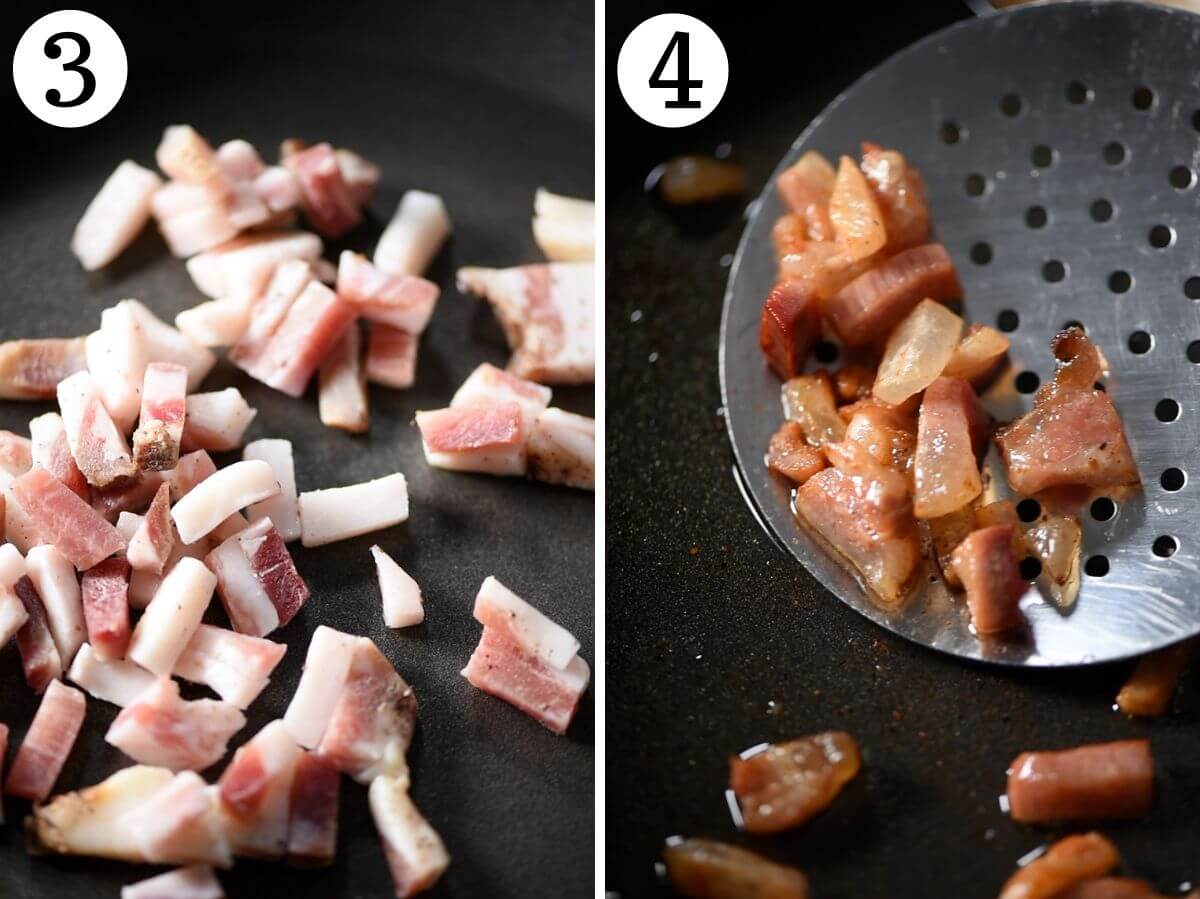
673,70
69,68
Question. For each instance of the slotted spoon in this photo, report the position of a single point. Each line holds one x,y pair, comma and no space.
1060,144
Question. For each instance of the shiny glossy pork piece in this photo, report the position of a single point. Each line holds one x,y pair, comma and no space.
1149,689
991,575
1069,861
790,327
706,869
1099,781
952,437
790,455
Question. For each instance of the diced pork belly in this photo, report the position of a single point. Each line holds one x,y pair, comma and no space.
991,575
806,187
160,728
787,784
180,823
372,723
117,359
562,449
1149,689
272,564
239,160
1073,435
790,327
47,743
32,369
105,596
326,667
178,198
278,189
952,436
855,213
196,231
706,869
867,519
391,357
402,604
564,227
93,821
548,315
1102,780
237,667
888,435
360,174
916,352
215,322
96,442
809,401
243,268
185,155
160,427
172,616
63,519
339,513
284,508
402,301
488,385
313,325
415,853
873,303
256,792
900,194
413,236
112,680
167,344
499,608
115,216
12,565
216,421
978,357
269,310
52,452
193,882
53,576
257,580
327,201
342,385
12,614
39,654
220,495
154,539
16,453
487,439
133,496
313,812
191,469
19,527
1068,862
506,670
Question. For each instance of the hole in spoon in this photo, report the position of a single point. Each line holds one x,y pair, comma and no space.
1167,410
1103,509
1172,480
1140,342
1028,510
1096,566
1101,211
1007,320
1165,546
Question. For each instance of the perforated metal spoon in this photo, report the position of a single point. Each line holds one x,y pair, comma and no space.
1060,144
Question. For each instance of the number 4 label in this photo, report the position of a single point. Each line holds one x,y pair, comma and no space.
672,70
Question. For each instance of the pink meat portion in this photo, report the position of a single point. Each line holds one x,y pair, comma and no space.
16,453
1103,780
179,822
192,882
39,654
131,496
191,470
273,566
405,302
52,452
872,304
391,356
62,518
160,728
96,443
32,369
1073,435
360,174
327,200
952,436
47,743
313,813
155,537
237,667
160,428
547,694
470,428
105,591
255,792
991,575
373,721
314,323
269,310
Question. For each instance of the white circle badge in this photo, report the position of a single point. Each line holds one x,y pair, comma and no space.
672,70
69,68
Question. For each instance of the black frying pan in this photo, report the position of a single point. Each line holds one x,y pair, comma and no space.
718,639
453,98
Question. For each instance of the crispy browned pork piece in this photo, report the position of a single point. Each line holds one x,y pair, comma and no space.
1073,435
1099,781
855,213
952,436
991,575
852,382
790,326
706,869
1149,689
900,193
1055,541
786,784
790,455
1068,862
808,400
888,434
